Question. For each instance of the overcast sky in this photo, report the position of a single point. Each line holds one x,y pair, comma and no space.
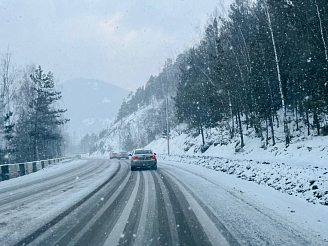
122,42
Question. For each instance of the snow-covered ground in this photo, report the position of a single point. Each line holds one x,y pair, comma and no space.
300,170
46,195
216,188
303,151
305,182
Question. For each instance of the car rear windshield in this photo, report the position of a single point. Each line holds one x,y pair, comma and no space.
143,151
123,152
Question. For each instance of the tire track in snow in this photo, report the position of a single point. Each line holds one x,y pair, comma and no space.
83,230
116,233
137,212
62,215
189,229
148,217
106,219
36,191
172,225
216,232
163,235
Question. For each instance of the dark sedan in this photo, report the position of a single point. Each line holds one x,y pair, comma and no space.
113,155
123,154
143,158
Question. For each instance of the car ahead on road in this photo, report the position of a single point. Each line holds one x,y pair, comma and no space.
143,158
123,154
113,155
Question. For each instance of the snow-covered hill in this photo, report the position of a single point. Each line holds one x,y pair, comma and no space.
304,150
301,169
133,131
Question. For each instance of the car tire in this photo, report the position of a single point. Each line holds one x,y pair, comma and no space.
132,169
154,167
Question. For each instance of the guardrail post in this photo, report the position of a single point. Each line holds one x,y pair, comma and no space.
21,169
34,167
4,173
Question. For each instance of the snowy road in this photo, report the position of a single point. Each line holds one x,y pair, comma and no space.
101,202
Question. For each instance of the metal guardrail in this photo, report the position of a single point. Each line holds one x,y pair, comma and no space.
9,171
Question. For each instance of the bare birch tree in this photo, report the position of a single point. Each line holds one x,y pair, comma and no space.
321,31
283,102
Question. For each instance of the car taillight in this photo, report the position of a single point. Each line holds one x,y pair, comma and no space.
134,157
153,156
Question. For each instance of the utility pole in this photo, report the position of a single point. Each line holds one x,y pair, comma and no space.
167,127
120,137
2,126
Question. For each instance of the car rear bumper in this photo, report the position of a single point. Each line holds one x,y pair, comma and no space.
143,164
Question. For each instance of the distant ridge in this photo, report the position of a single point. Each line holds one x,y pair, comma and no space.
91,104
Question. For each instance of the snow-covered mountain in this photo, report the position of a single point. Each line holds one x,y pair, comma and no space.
142,115
135,130
91,104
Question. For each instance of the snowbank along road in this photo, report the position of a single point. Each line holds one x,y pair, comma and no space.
101,202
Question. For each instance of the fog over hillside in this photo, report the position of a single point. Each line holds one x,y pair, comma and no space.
90,104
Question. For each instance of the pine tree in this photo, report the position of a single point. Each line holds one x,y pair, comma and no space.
38,130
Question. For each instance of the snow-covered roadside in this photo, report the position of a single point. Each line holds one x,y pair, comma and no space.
51,170
303,151
293,212
309,183
13,224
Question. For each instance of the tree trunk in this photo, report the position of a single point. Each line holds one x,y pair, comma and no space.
321,31
240,129
286,129
277,119
316,121
272,130
296,115
307,121
232,131
202,132
266,131
248,122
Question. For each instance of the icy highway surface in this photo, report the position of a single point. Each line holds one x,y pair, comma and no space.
101,202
